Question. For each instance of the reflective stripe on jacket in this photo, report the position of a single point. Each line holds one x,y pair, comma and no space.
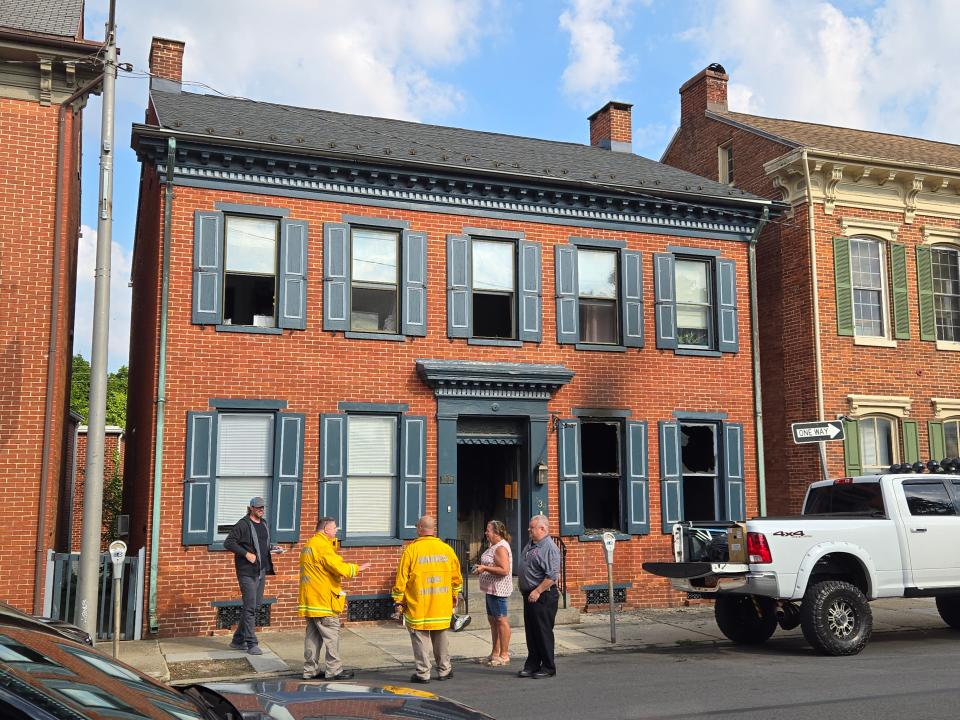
428,580
320,572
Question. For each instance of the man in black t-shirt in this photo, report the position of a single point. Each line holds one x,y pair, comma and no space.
249,541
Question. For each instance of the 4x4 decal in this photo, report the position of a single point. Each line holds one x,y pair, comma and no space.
794,533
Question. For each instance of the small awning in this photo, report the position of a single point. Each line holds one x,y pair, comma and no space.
488,440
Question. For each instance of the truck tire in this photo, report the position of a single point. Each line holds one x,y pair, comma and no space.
949,608
746,619
835,618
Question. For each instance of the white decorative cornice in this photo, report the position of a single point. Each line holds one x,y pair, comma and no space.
46,80
910,200
866,226
933,235
833,179
895,405
944,408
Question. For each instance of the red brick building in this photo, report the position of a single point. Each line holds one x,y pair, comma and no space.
113,447
859,284
373,319
46,69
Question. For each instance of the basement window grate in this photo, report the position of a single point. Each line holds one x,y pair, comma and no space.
600,596
229,615
375,608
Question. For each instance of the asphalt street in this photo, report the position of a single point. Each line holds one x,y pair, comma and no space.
899,675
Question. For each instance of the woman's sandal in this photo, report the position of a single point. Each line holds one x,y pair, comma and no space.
499,661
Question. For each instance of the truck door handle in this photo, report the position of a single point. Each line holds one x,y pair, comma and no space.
918,530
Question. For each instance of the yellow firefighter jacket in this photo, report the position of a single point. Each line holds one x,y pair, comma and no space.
428,580
320,572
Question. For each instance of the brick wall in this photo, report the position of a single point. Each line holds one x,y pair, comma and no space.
113,447
28,155
313,370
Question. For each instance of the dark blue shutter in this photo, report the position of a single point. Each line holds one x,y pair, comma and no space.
734,486
637,486
459,310
571,484
665,296
568,312
727,331
207,268
292,296
199,478
287,477
531,304
414,283
333,467
413,459
671,507
336,276
631,283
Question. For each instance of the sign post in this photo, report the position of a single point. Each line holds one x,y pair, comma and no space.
118,551
609,540
818,432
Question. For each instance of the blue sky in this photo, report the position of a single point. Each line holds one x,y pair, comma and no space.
536,68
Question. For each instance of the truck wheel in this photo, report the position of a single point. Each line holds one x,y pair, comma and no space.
746,619
835,618
949,608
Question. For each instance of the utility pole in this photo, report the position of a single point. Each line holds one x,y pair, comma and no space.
88,583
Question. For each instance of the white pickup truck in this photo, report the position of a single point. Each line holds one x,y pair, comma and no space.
858,539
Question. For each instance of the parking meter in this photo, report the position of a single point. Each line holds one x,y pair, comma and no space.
609,541
118,551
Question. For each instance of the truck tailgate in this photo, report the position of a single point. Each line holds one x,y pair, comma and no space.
688,570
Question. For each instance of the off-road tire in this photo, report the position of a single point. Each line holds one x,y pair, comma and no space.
836,618
746,619
949,608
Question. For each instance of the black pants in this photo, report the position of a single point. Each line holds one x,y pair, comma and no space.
251,593
538,619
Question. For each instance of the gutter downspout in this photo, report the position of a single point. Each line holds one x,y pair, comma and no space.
39,571
154,620
818,361
755,344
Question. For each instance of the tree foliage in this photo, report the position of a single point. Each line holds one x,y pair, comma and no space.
116,392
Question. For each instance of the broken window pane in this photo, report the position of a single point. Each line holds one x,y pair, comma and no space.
374,266
698,456
494,283
250,264
597,279
600,466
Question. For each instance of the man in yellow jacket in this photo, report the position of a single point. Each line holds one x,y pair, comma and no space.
428,582
322,599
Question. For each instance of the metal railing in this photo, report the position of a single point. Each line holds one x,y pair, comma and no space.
562,584
462,549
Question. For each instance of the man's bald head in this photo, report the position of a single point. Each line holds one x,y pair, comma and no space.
426,525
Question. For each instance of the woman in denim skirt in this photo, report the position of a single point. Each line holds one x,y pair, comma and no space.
495,572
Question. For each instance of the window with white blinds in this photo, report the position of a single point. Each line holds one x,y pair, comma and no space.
372,475
244,465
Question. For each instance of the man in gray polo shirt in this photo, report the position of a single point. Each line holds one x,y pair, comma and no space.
538,573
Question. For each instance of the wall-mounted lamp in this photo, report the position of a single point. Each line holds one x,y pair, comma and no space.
542,473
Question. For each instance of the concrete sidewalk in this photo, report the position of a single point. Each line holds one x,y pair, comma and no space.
386,646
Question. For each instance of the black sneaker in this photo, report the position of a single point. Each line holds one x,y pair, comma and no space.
417,679
342,675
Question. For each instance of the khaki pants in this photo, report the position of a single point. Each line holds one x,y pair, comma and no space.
322,632
422,640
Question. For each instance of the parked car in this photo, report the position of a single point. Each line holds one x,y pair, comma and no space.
9,615
44,676
858,539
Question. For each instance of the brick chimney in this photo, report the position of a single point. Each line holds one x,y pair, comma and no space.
707,90
611,128
166,64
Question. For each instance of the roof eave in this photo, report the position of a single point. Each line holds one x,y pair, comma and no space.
140,129
57,41
814,153
751,128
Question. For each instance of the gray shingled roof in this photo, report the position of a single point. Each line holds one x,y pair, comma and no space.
51,17
380,139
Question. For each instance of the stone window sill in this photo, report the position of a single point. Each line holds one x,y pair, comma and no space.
874,342
948,346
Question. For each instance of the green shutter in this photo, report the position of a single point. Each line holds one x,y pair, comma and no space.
911,442
928,322
898,280
841,273
936,440
851,448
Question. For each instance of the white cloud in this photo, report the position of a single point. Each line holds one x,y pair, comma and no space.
120,265
377,57
889,70
597,62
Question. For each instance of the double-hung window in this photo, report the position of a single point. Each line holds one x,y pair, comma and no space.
239,450
701,471
945,290
873,442
603,474
725,163
871,280
944,438
599,288
493,287
372,472
374,278
250,269
696,302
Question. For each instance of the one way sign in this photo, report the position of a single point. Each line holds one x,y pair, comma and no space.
809,432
